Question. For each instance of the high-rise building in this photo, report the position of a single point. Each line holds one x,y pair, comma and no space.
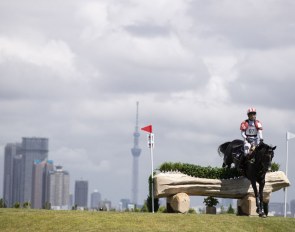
12,150
18,168
58,188
40,178
124,204
81,193
135,153
95,200
18,185
32,149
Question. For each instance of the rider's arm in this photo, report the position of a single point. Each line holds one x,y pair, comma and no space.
243,133
243,128
260,134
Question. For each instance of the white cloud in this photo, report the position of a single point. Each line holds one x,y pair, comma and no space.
53,54
79,160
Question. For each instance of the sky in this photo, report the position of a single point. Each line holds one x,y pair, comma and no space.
72,71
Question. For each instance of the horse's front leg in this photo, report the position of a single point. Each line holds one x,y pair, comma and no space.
257,197
261,187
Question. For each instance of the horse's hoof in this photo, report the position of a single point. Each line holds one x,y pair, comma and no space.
262,215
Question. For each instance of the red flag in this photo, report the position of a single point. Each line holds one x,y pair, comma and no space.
148,128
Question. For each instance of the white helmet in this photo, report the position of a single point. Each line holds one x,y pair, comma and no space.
251,110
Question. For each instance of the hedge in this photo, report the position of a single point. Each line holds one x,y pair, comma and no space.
205,172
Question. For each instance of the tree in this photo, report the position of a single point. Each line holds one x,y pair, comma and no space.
144,208
230,209
47,205
210,201
222,210
16,205
149,204
2,203
26,205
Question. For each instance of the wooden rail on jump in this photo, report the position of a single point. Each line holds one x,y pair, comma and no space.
167,184
170,184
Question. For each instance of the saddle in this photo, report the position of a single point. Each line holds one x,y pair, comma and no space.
238,153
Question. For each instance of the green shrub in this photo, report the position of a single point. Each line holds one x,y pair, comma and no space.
2,203
199,171
162,209
191,210
210,201
206,172
275,167
16,205
230,209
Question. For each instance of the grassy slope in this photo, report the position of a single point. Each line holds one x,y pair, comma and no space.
49,220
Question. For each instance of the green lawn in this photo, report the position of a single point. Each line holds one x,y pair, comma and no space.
49,220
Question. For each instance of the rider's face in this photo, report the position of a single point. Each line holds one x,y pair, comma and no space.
252,116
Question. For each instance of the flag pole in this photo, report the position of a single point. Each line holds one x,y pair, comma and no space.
285,189
152,193
149,129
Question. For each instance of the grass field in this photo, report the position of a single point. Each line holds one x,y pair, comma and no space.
49,220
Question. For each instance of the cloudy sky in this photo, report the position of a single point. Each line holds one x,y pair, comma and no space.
72,71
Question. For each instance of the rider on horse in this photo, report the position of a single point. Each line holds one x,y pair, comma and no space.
251,130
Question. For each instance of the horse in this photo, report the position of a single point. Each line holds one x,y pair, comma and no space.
255,168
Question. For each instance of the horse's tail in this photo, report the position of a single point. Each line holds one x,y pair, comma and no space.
222,148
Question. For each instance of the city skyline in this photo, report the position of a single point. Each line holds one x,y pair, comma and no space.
51,184
21,170
26,167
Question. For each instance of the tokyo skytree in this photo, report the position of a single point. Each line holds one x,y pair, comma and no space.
135,153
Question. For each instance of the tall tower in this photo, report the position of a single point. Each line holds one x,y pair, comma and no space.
12,151
32,149
81,193
135,153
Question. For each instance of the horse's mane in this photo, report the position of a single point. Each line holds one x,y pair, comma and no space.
262,147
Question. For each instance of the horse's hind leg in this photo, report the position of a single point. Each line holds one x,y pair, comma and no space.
262,205
265,208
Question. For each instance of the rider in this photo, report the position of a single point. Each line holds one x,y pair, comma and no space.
251,130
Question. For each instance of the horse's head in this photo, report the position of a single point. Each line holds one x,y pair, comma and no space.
222,148
266,154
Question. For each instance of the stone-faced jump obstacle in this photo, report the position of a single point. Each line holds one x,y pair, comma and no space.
177,187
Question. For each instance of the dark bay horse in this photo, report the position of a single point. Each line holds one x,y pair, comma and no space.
255,168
